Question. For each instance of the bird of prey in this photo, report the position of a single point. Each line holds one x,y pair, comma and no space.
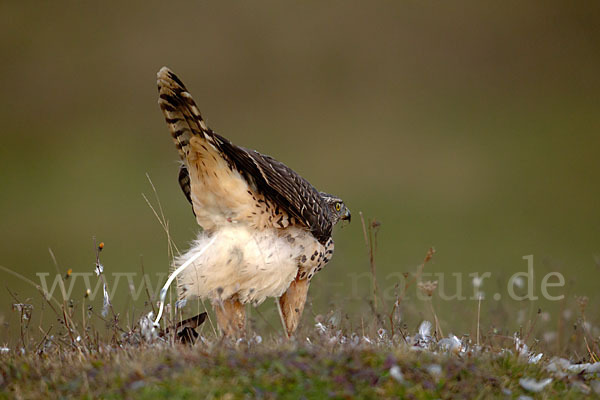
267,229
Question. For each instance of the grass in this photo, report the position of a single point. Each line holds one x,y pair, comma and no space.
277,369
372,354
329,358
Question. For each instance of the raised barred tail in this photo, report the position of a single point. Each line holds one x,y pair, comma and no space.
180,111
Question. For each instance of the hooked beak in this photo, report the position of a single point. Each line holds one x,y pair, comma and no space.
347,216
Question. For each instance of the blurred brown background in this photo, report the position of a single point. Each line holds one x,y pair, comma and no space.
472,126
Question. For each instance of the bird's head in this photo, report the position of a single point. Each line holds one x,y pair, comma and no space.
338,209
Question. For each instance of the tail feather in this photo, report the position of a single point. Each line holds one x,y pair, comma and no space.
180,111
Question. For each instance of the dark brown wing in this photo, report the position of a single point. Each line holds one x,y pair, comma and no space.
282,185
184,182
273,179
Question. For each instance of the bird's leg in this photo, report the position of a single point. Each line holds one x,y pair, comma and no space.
231,317
292,304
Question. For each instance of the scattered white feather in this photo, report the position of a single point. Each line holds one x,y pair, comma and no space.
320,327
587,368
396,373
147,328
99,269
106,301
520,346
423,337
425,328
450,344
534,359
533,385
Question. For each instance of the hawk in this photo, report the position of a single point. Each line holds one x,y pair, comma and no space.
269,229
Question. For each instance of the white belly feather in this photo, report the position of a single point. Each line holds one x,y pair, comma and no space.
244,263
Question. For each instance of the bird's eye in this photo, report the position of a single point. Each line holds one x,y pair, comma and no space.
338,207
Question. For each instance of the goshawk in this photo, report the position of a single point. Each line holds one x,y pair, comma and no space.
272,228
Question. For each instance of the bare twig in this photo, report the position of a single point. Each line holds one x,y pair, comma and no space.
478,315
150,299
418,274
22,311
37,348
161,219
370,236
100,271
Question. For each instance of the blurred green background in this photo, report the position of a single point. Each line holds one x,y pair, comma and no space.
473,127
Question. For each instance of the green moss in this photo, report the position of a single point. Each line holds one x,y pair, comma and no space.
268,372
